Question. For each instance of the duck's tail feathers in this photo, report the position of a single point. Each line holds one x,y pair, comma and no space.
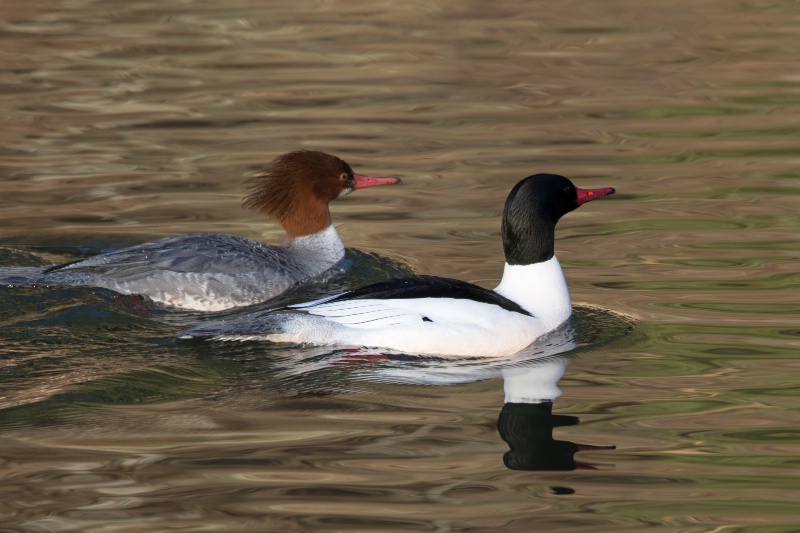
249,327
20,275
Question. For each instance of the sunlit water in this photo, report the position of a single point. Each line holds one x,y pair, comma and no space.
127,121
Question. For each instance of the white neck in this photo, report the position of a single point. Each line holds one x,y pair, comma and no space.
540,289
319,251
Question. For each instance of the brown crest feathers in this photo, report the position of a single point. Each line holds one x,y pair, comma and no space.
296,188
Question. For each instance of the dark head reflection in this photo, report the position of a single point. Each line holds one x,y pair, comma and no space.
526,421
527,428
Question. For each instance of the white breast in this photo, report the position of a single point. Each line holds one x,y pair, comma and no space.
540,289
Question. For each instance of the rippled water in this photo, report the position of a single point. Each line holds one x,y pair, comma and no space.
128,121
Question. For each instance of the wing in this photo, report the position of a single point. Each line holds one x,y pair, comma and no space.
420,287
410,300
364,313
314,316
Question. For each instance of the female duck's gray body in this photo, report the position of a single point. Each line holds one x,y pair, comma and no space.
213,272
203,271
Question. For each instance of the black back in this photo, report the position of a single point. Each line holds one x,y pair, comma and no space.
532,210
430,287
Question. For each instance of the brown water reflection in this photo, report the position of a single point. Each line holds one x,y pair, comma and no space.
126,121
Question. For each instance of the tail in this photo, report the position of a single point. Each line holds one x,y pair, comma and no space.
20,275
246,327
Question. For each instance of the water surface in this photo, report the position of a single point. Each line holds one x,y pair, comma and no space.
129,121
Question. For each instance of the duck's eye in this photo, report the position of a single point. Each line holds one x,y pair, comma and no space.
343,176
568,190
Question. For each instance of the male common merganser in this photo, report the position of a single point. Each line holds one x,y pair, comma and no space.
439,316
212,272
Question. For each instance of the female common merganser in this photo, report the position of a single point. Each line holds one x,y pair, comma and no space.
212,272
439,316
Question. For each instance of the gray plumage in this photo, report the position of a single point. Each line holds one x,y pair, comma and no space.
197,271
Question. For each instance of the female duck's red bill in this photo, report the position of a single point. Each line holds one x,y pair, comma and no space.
362,182
587,195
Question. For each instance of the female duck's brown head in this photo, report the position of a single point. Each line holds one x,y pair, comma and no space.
296,188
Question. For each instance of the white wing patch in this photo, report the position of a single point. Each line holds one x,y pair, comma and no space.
369,314
312,303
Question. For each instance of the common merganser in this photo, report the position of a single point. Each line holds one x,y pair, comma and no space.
213,272
440,316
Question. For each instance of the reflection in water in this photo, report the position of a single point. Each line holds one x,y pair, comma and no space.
526,422
530,381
